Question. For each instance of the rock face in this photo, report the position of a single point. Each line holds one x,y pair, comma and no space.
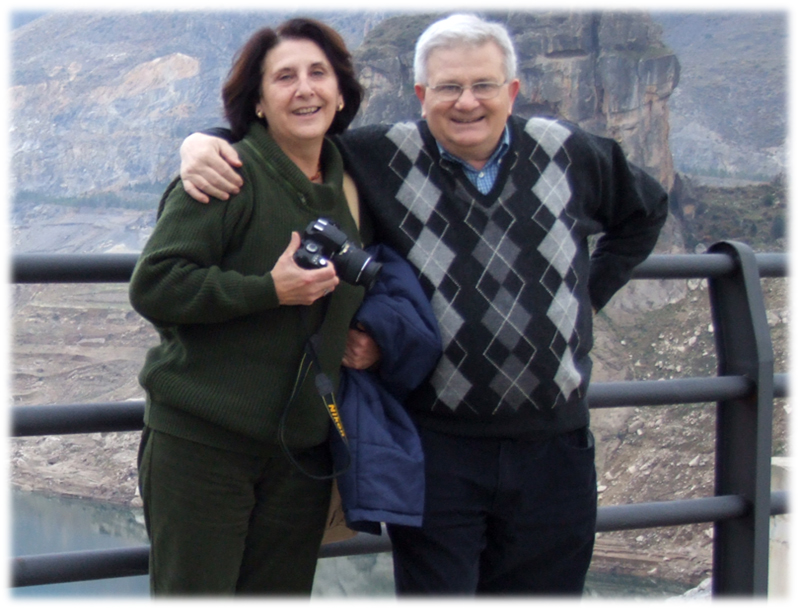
728,114
100,102
609,72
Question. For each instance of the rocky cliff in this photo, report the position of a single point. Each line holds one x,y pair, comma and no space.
101,101
728,115
610,72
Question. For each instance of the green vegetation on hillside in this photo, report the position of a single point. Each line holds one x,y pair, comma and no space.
141,197
756,215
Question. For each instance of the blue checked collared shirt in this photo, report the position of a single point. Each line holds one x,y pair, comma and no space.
483,179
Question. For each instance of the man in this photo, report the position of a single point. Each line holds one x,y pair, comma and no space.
494,212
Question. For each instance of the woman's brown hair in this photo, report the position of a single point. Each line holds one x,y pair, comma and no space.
242,90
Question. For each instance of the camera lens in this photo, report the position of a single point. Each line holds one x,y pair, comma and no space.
357,267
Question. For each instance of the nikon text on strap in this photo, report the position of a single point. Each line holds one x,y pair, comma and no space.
309,362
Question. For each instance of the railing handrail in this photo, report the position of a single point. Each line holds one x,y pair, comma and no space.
117,268
731,268
95,417
42,569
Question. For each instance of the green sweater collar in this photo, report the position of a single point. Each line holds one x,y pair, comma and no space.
260,142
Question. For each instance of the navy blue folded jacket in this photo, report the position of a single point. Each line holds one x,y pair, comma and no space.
385,481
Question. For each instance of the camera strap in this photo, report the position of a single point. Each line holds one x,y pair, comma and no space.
310,363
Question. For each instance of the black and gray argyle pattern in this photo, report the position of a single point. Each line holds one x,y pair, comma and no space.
503,274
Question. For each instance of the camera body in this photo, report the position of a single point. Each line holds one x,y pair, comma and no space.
323,241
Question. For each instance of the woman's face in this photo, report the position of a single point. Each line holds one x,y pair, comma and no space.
300,93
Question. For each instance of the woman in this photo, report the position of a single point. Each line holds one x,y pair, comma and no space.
226,510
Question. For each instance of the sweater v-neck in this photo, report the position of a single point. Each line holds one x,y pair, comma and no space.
458,175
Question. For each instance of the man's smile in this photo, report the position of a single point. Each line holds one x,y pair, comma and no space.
467,121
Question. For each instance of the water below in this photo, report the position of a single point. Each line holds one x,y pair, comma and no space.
43,524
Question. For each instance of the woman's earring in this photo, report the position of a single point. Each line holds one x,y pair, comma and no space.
259,113
341,106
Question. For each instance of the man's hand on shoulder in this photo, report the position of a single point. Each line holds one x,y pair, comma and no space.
206,167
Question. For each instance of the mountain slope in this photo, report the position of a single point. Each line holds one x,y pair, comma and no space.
728,115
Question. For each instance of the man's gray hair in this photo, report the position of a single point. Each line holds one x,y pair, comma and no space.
462,30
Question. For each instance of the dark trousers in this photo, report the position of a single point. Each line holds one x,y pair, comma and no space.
501,517
222,522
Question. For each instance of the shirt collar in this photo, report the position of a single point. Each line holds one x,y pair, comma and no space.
496,156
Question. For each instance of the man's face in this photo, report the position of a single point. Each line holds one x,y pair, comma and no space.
467,127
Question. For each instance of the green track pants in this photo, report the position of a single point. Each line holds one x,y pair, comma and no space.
223,522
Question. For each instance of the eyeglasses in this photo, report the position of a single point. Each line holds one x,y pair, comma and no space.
481,90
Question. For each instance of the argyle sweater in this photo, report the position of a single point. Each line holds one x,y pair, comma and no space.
509,274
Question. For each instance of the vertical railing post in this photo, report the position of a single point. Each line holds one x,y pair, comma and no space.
744,426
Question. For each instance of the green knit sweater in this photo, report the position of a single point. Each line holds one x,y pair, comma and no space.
229,353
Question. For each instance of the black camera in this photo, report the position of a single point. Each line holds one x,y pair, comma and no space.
323,241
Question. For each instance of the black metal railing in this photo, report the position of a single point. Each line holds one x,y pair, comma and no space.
744,391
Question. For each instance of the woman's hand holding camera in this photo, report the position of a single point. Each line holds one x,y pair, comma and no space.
297,286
